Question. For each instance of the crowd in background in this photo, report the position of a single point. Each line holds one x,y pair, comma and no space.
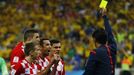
70,21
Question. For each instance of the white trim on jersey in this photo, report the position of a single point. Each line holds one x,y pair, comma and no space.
23,47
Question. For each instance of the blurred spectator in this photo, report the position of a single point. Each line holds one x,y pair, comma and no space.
3,67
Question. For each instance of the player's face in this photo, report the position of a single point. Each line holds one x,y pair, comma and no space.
56,47
36,37
46,47
36,52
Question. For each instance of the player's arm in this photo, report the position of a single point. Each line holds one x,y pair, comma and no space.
57,59
17,70
15,60
15,57
46,70
111,40
91,63
53,72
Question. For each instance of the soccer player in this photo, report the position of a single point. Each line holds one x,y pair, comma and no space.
18,53
102,60
42,61
57,69
46,47
27,66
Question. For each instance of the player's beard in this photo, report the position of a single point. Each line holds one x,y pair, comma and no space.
46,53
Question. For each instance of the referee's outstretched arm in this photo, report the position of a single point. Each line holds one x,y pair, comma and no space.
111,40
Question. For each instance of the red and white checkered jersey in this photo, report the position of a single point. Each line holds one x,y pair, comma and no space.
25,68
60,67
17,54
42,62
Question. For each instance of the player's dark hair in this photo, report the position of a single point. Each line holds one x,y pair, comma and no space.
29,33
41,41
29,47
53,41
100,35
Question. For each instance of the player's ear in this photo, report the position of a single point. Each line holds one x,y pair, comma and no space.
28,39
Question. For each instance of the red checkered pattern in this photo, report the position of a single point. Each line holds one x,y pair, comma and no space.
43,63
60,67
25,68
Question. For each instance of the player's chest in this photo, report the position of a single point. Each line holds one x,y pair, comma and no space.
30,69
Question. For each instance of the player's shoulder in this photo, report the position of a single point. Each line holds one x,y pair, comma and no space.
18,48
47,58
18,45
24,63
62,60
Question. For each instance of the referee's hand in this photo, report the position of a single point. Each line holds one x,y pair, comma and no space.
101,13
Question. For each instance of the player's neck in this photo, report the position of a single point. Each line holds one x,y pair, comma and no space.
50,54
26,42
29,59
42,56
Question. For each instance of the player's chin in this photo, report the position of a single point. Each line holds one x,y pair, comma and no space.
48,50
34,57
47,54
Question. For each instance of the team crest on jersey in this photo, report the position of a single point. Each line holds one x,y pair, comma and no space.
59,67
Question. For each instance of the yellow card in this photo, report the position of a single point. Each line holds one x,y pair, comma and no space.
103,4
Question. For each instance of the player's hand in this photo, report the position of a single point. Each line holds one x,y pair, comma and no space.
57,58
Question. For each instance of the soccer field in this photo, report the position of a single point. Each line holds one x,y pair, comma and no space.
117,71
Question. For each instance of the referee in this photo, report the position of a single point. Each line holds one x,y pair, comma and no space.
102,59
